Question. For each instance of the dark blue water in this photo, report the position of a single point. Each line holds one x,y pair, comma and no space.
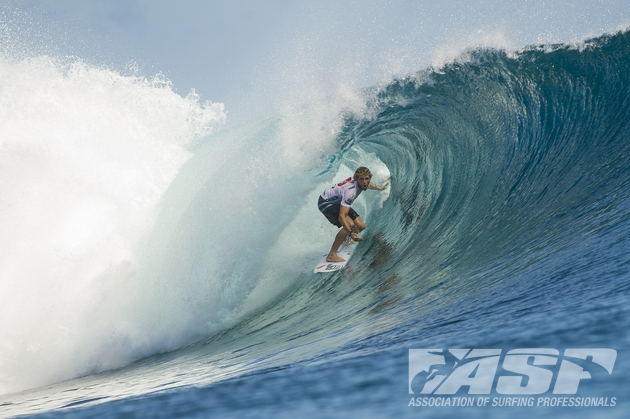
506,227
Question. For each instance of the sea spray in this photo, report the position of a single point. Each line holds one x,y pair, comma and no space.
85,157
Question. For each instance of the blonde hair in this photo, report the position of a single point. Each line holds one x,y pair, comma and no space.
362,171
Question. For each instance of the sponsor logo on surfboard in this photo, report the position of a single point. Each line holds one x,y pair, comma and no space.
329,267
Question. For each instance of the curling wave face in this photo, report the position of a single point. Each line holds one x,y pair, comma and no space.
509,181
507,169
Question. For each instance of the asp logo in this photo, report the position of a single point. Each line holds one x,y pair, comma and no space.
524,371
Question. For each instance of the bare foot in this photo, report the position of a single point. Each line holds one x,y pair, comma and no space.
334,258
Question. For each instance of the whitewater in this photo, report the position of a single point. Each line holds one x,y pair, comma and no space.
157,262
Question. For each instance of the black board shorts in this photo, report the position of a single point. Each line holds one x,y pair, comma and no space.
331,211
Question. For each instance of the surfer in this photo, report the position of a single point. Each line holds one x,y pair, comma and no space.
335,204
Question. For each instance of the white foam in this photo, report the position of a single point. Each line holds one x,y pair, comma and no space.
85,157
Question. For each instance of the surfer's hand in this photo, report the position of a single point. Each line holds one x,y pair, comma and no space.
386,184
354,236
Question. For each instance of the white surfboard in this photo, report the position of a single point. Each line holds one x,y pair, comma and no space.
345,251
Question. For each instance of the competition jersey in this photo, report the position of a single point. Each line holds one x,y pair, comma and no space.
343,193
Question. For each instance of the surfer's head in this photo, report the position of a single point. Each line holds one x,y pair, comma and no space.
362,172
363,175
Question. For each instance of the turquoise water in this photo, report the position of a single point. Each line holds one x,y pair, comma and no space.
506,227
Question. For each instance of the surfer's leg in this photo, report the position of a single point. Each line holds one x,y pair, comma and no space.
359,225
332,255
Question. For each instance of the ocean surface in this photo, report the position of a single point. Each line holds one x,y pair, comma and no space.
158,263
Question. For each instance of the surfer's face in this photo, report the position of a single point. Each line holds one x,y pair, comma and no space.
363,182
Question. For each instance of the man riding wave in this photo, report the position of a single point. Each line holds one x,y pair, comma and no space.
335,204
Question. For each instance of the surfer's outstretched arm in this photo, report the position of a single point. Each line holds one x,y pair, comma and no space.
379,188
